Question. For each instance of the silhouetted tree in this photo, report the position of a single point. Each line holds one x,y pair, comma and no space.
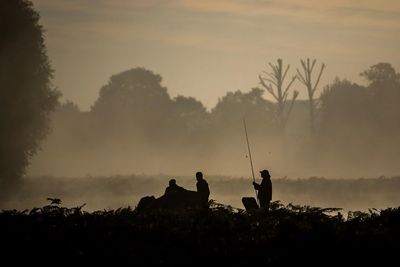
26,94
362,124
67,113
343,104
384,89
71,126
381,74
311,87
187,106
190,113
273,83
234,106
347,118
134,100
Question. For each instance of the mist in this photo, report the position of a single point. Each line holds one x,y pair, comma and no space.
136,127
301,121
136,137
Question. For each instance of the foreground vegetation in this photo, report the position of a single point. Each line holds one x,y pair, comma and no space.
112,192
287,234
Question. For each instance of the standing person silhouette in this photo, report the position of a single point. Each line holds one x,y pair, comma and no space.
202,188
264,190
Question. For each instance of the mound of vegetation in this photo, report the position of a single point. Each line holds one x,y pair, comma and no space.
286,234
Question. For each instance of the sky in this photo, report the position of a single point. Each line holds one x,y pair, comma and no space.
205,48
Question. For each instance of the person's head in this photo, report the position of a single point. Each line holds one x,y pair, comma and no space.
199,175
172,182
265,174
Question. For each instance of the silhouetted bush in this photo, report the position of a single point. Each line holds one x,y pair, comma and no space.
221,235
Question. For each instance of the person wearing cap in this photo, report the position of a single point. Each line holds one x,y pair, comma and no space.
264,189
202,188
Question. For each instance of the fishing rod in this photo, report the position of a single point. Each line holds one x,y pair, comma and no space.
251,160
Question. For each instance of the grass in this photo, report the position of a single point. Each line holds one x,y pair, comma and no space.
288,234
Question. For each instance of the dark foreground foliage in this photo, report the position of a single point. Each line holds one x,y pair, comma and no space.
287,234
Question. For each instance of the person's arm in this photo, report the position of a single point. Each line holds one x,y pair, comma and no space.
256,186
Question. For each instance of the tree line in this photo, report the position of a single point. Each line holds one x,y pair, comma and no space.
349,125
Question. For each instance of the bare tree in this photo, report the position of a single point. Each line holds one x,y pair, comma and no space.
305,78
273,83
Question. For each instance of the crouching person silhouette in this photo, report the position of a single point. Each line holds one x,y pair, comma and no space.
173,188
264,193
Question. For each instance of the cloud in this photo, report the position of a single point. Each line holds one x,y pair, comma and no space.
366,10
228,26
119,17
99,7
349,13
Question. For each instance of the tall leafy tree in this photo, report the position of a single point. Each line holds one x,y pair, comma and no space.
381,74
384,89
26,94
236,106
190,113
134,101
